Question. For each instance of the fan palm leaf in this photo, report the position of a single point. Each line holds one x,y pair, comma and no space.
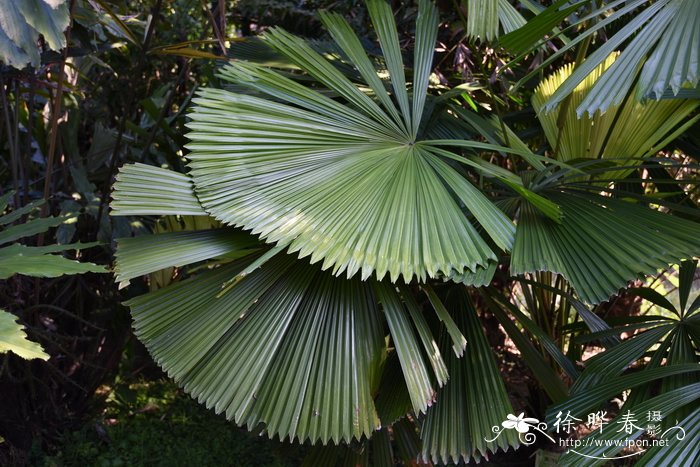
271,340
456,427
626,133
656,53
349,181
601,243
485,17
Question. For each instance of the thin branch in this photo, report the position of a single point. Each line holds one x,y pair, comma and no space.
55,115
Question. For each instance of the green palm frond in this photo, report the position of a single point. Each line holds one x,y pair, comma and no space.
472,402
625,133
485,17
657,52
291,327
293,380
601,243
135,194
348,181
288,346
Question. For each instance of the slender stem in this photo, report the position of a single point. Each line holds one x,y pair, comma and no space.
128,108
16,153
55,115
26,154
164,110
10,141
217,31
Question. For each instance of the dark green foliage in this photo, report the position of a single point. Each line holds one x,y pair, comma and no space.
153,423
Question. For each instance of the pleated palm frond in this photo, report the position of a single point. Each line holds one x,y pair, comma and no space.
142,189
601,243
457,425
663,50
486,17
288,347
624,134
274,342
349,180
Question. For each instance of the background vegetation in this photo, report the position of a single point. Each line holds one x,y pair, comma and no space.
100,84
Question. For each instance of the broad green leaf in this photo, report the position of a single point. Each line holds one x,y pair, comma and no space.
22,22
287,346
29,228
16,214
137,256
33,261
14,339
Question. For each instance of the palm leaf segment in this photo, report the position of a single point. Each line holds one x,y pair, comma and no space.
348,180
